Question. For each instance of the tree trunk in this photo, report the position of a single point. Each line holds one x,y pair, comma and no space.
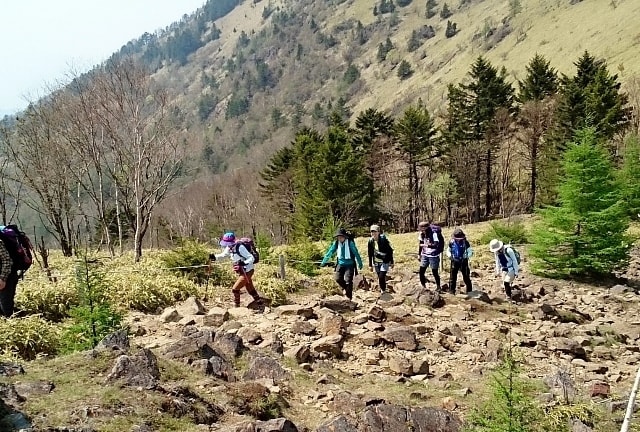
488,197
534,174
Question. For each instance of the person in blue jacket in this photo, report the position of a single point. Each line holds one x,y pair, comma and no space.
348,256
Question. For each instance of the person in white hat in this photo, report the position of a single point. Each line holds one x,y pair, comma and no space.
380,255
506,263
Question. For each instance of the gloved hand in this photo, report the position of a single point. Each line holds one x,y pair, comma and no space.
504,269
212,257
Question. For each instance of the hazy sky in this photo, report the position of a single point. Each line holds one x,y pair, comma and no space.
41,41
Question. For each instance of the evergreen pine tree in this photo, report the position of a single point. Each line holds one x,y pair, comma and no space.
541,80
585,234
404,70
452,29
445,12
415,138
414,41
630,176
430,9
591,98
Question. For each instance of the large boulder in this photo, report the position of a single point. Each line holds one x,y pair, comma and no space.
137,370
265,367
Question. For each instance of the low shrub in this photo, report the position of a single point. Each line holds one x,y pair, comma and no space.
50,300
255,400
512,232
29,337
190,259
147,291
304,257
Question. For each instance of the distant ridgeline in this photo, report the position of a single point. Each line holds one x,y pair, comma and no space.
177,41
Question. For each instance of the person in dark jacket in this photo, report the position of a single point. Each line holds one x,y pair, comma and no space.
8,281
459,251
380,255
429,249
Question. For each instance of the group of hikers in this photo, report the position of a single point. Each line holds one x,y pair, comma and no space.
431,245
244,256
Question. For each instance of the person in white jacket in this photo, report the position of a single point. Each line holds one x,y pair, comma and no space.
506,263
243,265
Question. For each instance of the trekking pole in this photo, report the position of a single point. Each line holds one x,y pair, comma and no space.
632,401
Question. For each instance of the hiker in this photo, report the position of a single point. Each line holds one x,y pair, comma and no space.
380,255
8,281
345,249
430,246
459,251
506,263
243,265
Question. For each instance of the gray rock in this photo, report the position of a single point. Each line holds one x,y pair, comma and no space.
402,337
115,341
338,304
301,353
479,295
273,425
138,370
221,367
341,423
229,344
303,327
265,367
10,369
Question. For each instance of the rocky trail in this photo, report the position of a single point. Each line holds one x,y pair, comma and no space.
409,359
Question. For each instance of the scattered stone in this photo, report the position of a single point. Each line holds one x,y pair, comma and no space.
338,304
301,353
480,296
229,344
402,337
599,389
170,314
329,344
303,327
138,370
215,317
332,324
10,369
377,314
249,335
115,341
265,367
293,310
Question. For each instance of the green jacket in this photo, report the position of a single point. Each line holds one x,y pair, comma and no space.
346,262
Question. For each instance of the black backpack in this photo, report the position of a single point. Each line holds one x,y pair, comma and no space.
19,247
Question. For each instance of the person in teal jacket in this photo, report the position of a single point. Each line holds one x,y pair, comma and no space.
348,256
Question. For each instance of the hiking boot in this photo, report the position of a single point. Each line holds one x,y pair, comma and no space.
236,304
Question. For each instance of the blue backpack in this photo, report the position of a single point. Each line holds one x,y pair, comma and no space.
458,249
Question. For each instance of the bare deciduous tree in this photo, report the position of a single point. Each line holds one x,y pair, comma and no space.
145,155
42,164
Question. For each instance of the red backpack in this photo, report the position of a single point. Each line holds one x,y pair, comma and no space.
19,247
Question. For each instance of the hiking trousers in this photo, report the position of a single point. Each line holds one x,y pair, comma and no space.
8,294
461,266
245,280
344,278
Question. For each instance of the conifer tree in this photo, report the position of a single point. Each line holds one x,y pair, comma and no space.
445,12
404,70
430,9
541,80
630,176
591,98
535,118
585,234
470,127
415,137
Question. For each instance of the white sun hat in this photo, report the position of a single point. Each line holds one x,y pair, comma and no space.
495,245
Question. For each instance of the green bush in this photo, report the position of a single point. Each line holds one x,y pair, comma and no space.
512,232
29,337
304,257
188,260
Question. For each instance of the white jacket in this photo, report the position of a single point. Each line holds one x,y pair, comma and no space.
242,255
512,261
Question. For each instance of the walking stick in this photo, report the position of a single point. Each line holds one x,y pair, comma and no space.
630,405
